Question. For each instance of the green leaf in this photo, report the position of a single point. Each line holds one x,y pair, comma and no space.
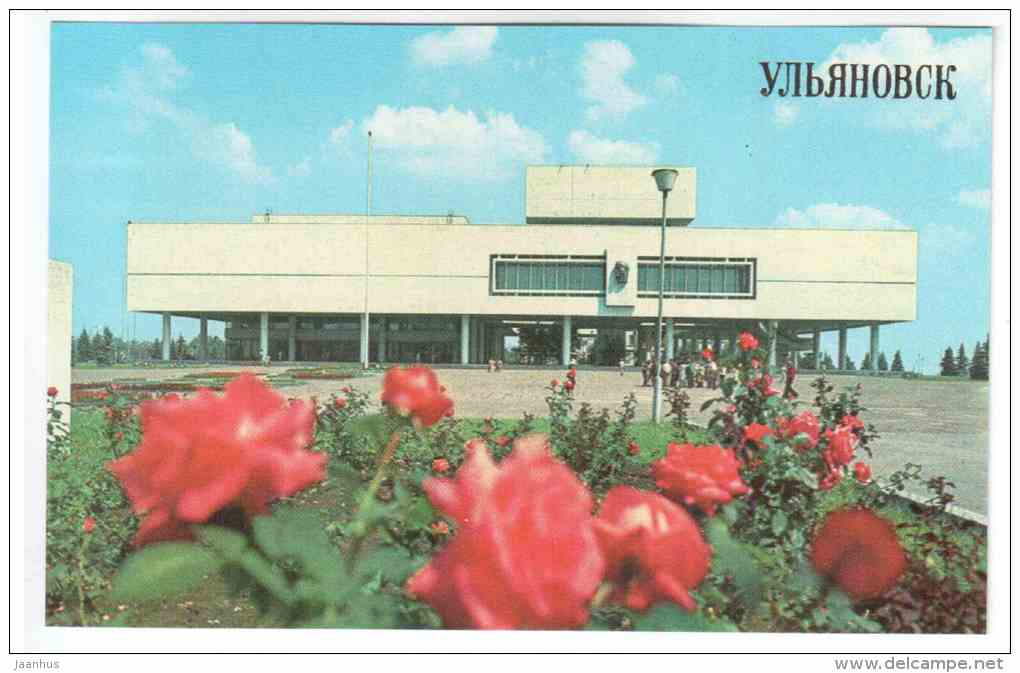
778,522
163,570
227,543
375,427
395,564
842,616
707,403
733,559
670,617
299,535
267,576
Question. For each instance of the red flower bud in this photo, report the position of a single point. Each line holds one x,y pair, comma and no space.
755,363
52,391
503,440
653,549
860,552
633,448
340,402
756,433
862,471
828,480
517,522
704,476
416,392
346,390
747,341
555,383
440,465
708,353
853,422
89,525
568,385
440,528
200,455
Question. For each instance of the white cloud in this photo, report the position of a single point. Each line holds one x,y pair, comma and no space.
603,67
302,169
667,84
593,150
462,45
784,114
340,136
962,122
451,142
975,198
146,89
837,216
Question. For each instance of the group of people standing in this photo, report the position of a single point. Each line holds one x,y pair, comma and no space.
685,371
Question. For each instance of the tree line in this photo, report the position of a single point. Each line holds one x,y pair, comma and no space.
104,348
958,364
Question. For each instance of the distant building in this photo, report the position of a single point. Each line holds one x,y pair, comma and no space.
441,289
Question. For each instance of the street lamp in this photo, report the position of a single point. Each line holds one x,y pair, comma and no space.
665,178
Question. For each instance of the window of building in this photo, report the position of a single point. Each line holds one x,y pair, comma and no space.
732,278
553,274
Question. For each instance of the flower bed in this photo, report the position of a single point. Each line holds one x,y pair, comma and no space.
768,520
323,374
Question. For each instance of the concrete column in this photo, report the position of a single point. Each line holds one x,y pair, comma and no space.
363,350
717,343
568,331
465,339
816,346
841,363
670,343
264,335
166,337
874,347
384,329
773,341
292,338
734,339
203,339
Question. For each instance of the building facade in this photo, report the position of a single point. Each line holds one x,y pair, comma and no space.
350,288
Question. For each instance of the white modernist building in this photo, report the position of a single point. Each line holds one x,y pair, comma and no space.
398,288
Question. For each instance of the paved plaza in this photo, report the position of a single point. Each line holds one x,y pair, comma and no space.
942,425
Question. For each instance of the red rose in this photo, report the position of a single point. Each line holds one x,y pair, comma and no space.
747,341
198,456
568,385
756,432
704,476
517,523
52,391
440,465
764,383
853,422
416,392
502,440
89,525
708,353
440,528
340,402
841,447
346,390
805,423
633,448
731,409
653,549
860,552
755,363
555,383
862,471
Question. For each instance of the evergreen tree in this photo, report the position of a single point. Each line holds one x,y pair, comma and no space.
827,362
979,363
102,345
84,347
849,364
883,364
181,349
897,362
948,363
156,349
866,362
962,363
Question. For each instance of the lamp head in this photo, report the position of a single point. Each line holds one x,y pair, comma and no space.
665,178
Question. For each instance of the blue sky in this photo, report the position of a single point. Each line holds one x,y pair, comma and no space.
203,122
